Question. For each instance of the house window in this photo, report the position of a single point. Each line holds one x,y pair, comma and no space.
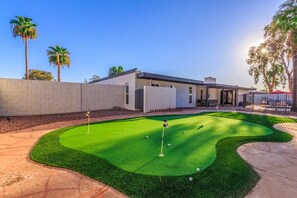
190,94
127,92
155,85
172,86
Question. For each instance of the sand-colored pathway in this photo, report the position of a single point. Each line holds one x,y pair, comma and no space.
276,163
21,177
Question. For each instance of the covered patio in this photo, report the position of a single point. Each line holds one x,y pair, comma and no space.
220,95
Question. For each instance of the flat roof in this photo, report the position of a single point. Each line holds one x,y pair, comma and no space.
146,75
224,86
114,76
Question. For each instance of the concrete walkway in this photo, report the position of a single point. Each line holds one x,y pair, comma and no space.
276,163
21,177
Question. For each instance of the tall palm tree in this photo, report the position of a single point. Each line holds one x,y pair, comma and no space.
59,57
24,28
286,20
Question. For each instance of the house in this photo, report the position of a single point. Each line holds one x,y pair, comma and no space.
148,91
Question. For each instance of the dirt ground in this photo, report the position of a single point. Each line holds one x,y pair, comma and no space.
16,123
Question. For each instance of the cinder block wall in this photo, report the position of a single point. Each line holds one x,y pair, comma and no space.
32,97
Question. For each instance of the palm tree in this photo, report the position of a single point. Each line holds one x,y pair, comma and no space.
286,20
59,57
24,28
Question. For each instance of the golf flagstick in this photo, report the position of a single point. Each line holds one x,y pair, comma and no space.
88,114
165,125
218,110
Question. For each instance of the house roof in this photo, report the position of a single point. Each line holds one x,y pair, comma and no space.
114,76
224,86
146,75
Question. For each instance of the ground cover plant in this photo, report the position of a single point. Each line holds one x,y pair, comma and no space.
208,141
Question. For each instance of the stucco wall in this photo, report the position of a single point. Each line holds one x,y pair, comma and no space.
32,97
214,94
240,94
198,92
122,80
182,91
156,98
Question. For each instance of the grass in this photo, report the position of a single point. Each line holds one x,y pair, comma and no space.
192,140
227,176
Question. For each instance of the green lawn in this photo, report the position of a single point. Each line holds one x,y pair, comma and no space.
126,160
192,142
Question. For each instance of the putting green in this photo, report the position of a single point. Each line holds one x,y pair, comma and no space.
192,140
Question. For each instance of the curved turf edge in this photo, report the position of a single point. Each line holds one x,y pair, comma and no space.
228,176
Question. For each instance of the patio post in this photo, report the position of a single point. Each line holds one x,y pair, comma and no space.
223,97
207,96
286,103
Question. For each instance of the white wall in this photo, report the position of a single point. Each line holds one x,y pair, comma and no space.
157,98
214,94
240,94
182,91
198,92
129,78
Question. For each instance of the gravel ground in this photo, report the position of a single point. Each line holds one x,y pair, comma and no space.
8,124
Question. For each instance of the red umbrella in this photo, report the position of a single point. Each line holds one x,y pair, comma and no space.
278,92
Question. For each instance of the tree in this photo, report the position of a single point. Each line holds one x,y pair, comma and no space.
59,57
115,70
286,20
266,63
93,78
277,41
24,28
35,74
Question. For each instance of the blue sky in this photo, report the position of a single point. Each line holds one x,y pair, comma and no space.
186,38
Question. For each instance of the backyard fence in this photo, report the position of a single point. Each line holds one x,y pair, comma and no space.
35,97
268,102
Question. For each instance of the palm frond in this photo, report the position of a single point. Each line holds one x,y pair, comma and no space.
23,27
58,56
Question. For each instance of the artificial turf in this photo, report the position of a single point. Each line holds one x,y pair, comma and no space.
134,144
227,176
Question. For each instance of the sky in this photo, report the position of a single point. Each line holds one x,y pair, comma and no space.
184,38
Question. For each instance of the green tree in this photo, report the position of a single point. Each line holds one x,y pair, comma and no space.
35,74
24,28
115,70
266,64
93,78
277,40
59,57
286,20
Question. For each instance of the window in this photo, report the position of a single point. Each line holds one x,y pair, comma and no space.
190,94
172,86
127,92
155,85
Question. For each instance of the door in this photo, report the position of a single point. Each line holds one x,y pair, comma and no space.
228,97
